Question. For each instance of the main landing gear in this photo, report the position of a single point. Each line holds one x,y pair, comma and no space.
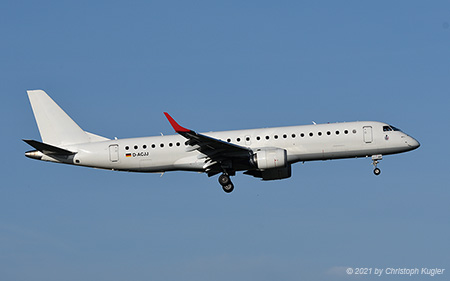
225,181
375,161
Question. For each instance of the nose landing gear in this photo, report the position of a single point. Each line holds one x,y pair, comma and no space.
375,161
225,181
377,171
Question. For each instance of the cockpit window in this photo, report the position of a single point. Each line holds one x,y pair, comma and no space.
395,129
390,128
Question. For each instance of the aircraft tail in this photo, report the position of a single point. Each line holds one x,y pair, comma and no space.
55,126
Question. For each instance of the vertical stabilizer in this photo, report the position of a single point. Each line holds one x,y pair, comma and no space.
55,126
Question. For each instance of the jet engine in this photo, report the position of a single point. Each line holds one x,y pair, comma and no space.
271,164
270,158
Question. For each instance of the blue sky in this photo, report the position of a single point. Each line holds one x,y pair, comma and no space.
116,66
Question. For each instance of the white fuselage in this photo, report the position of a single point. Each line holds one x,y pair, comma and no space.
266,153
302,143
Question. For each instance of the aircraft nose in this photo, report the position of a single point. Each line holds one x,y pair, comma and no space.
413,143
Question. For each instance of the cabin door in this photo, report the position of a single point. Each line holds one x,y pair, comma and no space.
114,153
368,137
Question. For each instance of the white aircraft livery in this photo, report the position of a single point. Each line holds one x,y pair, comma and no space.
263,153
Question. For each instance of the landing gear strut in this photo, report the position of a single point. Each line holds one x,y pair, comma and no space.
225,181
375,161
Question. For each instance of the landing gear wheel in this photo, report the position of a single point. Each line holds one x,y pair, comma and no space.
377,171
225,182
224,179
375,161
228,187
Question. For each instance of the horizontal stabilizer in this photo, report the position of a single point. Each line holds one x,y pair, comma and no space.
48,149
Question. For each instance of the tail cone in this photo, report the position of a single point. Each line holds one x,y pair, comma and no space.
34,154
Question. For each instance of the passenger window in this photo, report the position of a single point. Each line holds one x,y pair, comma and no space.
275,137
319,133
328,133
284,136
293,136
258,138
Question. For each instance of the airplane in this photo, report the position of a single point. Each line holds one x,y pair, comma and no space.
266,153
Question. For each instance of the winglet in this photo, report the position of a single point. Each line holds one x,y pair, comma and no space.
175,125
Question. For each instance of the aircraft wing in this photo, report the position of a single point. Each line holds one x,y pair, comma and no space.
218,152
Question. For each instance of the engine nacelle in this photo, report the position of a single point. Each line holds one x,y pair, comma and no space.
270,158
271,174
277,174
